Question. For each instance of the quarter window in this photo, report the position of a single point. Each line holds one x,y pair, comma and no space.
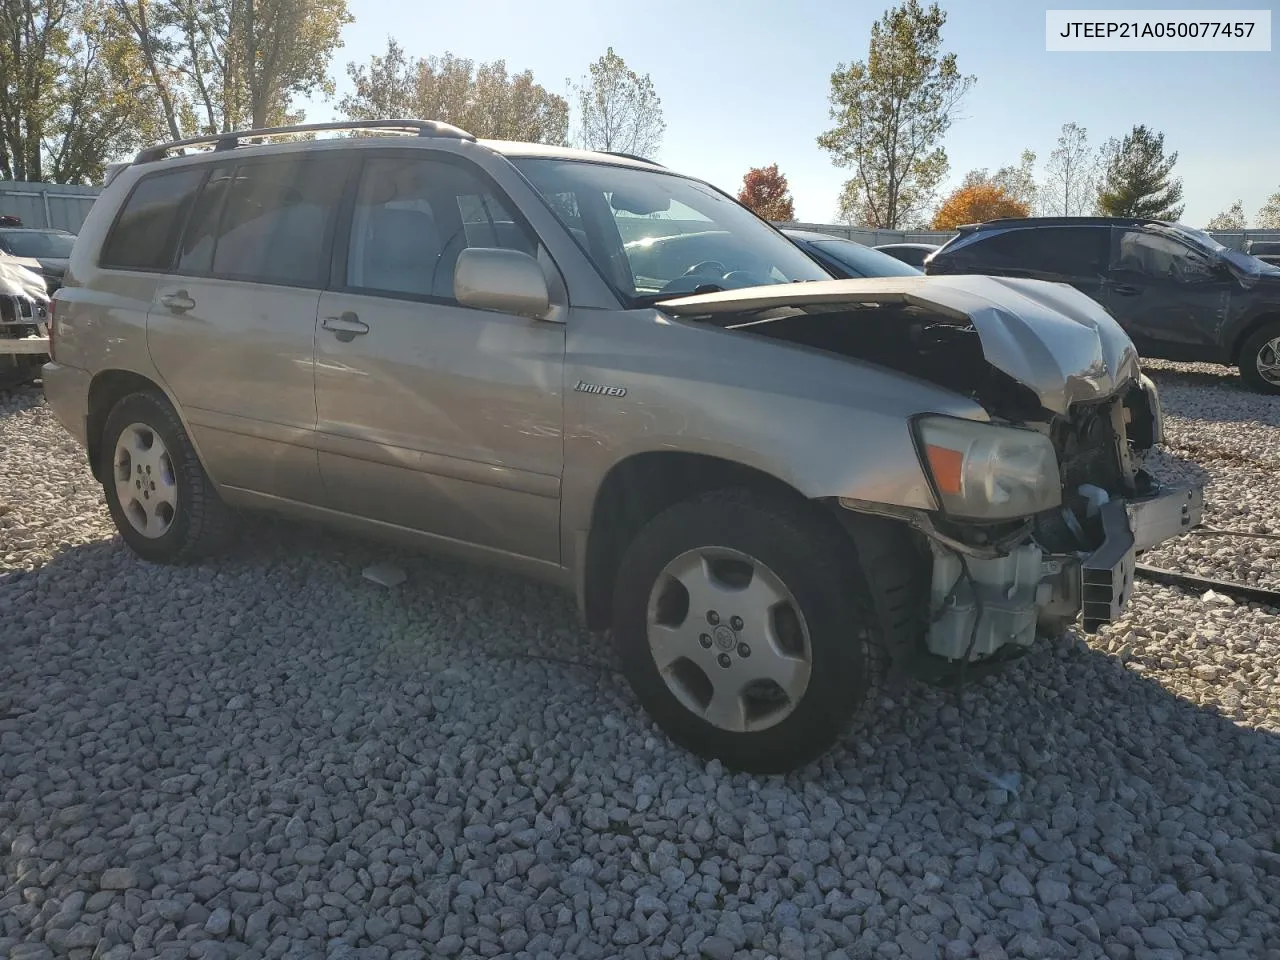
412,218
146,232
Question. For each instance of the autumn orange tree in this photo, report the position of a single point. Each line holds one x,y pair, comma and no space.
765,191
975,203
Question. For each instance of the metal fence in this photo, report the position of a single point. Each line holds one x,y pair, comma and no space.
57,205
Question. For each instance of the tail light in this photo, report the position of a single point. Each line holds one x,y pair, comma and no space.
51,326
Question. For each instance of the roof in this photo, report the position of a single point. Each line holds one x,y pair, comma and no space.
909,245
520,148
1004,222
431,129
36,230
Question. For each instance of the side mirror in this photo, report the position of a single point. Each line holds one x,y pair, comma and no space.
508,281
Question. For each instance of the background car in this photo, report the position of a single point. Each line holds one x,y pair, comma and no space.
912,253
1178,293
51,248
1267,251
848,258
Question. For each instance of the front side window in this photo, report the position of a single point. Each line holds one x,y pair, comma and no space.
1158,257
654,234
146,231
412,218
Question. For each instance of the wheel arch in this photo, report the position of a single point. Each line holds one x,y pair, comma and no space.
1248,330
106,389
640,486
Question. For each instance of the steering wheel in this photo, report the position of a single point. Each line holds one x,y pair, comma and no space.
714,267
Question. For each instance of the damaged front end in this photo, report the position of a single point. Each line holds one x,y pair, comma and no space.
995,587
1040,510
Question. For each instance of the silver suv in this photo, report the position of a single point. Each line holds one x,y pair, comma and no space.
770,485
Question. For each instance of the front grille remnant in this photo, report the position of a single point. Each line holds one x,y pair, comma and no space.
1089,449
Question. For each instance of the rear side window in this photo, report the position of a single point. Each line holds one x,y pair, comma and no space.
1056,251
146,231
269,223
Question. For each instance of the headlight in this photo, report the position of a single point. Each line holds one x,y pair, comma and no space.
988,472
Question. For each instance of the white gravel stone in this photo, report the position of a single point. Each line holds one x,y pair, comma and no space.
270,756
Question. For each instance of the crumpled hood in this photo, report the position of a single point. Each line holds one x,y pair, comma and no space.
1050,337
18,278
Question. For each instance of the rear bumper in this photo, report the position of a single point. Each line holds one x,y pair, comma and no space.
66,390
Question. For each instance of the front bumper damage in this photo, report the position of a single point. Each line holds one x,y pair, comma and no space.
985,604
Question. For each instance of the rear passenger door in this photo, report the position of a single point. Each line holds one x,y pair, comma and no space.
1073,255
435,416
232,328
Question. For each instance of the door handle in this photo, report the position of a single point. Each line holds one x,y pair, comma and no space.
346,327
1127,290
178,301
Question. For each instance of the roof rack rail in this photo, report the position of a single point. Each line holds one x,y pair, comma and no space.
231,139
632,156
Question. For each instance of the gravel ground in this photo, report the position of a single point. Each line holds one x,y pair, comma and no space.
271,757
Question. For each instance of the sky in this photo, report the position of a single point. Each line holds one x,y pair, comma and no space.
745,83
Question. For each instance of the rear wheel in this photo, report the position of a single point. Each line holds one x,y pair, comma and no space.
743,630
158,493
1260,359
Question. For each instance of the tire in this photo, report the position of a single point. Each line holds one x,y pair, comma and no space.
196,523
1263,345
812,560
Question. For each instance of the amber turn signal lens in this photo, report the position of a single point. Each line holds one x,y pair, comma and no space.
947,466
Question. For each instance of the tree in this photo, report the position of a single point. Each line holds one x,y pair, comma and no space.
105,104
891,112
1018,182
220,65
1268,217
977,203
619,110
765,191
72,90
485,100
1071,176
1231,219
1138,180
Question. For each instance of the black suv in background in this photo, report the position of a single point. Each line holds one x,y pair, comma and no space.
1266,250
1178,293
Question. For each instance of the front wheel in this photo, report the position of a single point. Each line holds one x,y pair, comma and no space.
1260,359
742,630
160,498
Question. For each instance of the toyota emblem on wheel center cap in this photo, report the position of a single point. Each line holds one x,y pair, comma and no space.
725,637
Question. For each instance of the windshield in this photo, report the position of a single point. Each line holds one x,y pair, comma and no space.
34,243
656,235
1215,248
864,260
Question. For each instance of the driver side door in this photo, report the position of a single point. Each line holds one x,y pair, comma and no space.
1169,298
